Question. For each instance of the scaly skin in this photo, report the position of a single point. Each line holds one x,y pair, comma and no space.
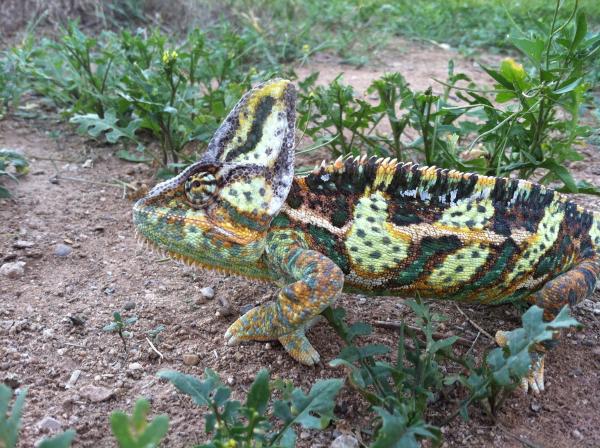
369,225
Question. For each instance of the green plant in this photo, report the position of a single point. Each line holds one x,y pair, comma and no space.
62,440
505,367
401,390
118,325
134,431
231,423
12,165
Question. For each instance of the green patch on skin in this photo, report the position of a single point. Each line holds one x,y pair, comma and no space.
547,232
327,245
468,214
459,267
370,246
430,247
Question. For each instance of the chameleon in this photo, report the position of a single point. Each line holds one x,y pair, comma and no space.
363,225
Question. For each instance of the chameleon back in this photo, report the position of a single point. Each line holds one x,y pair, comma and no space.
406,230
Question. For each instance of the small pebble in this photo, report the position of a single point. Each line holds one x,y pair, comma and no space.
13,270
535,407
135,370
191,359
575,433
231,380
49,424
22,244
345,441
96,394
129,306
62,250
207,293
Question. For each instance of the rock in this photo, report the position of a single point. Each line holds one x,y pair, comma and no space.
207,293
13,270
12,380
22,244
575,433
48,333
129,306
62,250
345,441
191,359
49,424
304,435
73,379
535,407
96,394
231,380
135,370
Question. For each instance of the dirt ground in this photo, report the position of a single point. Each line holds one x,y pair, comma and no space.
82,262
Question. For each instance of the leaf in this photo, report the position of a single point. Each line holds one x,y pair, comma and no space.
568,87
533,48
131,156
93,125
303,408
562,173
395,431
62,440
199,391
10,423
498,77
442,344
135,431
580,29
259,394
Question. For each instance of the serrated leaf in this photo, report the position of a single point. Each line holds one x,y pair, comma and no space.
395,431
259,393
93,125
533,48
319,401
10,422
199,391
62,440
131,156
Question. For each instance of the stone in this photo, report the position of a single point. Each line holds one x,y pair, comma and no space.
96,394
129,306
22,244
345,441
49,424
191,359
73,379
207,293
577,434
62,250
13,270
135,370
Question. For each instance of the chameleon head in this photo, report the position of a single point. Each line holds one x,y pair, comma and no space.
217,211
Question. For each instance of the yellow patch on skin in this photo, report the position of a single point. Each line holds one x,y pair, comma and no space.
595,233
539,242
468,214
246,196
459,267
372,248
247,114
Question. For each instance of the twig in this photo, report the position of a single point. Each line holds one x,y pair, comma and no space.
76,179
525,442
437,335
73,345
154,348
474,324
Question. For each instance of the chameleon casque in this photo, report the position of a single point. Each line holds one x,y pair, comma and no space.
363,225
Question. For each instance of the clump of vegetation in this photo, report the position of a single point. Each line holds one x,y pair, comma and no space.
134,431
119,326
12,165
400,391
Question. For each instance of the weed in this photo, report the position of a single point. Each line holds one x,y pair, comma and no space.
232,423
134,431
400,391
12,165
118,325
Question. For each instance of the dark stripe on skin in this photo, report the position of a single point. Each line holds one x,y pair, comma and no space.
263,109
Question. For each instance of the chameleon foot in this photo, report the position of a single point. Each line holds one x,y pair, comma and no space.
258,324
534,381
299,348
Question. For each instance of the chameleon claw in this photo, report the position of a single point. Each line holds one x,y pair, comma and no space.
534,381
299,348
258,324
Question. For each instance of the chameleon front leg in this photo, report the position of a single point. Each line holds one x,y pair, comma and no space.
569,288
315,282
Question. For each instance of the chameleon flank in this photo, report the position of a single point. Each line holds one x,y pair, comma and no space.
364,225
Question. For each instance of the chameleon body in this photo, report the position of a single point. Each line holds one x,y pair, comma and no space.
362,225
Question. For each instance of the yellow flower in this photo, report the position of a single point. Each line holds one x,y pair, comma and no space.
169,57
305,48
512,70
230,443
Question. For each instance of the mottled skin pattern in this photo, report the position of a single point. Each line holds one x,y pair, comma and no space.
364,225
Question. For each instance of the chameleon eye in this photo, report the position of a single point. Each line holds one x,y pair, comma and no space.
200,188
